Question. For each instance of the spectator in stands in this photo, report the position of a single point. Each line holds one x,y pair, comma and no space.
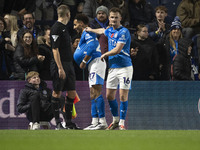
145,59
45,50
91,6
11,30
4,59
29,23
35,101
44,10
170,49
182,69
123,6
10,35
140,12
189,13
101,21
159,28
26,56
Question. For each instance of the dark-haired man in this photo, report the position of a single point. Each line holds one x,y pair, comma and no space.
120,66
88,53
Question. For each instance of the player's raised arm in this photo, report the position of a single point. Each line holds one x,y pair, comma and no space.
97,31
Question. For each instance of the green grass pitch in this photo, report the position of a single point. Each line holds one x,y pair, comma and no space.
100,140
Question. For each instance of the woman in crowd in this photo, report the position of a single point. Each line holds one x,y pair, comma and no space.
11,30
26,56
170,50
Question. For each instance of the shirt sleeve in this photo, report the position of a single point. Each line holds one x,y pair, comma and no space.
122,37
90,44
106,32
55,38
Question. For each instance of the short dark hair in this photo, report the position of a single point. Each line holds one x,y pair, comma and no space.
83,18
161,8
28,13
115,9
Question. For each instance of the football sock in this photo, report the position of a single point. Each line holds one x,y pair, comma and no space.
103,120
100,106
68,109
95,120
123,109
94,112
121,122
115,119
114,107
55,107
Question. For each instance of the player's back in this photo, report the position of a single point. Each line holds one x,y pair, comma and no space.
88,45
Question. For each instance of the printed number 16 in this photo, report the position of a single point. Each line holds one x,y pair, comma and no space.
126,81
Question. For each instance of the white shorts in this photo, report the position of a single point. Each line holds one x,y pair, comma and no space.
97,70
121,77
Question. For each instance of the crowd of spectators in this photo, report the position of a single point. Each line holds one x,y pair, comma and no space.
25,36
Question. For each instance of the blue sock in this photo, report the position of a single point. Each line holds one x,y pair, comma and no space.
114,107
100,106
123,109
94,112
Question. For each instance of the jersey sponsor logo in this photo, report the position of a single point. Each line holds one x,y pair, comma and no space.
112,35
55,37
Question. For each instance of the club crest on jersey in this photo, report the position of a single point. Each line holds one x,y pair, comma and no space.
122,37
55,37
87,36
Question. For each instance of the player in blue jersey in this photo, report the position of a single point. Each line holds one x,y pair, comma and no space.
120,66
88,54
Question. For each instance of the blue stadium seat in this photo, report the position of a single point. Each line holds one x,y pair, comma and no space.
171,5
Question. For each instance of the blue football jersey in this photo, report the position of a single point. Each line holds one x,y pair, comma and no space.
88,45
120,35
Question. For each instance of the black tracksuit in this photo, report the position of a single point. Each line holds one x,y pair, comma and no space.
36,103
